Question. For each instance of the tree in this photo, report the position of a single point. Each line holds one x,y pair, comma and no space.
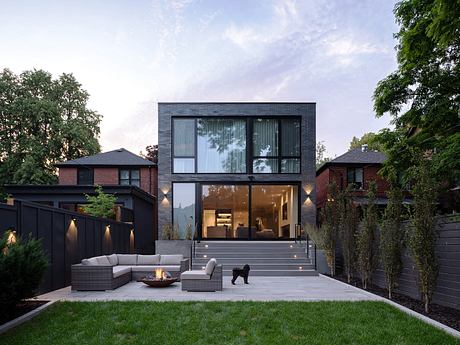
391,238
369,139
330,226
348,218
424,92
423,233
320,152
366,244
101,205
43,121
151,153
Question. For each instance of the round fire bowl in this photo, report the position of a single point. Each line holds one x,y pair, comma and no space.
158,283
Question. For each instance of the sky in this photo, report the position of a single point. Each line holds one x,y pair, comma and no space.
129,55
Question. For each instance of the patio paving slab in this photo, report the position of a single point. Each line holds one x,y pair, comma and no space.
318,288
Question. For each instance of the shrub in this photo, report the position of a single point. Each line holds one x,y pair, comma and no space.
348,229
391,238
170,232
22,265
101,205
188,231
321,236
366,244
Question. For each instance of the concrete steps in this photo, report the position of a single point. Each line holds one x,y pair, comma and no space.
267,258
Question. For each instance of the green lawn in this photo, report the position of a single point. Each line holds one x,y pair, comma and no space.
225,323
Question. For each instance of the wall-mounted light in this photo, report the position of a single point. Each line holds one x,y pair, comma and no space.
73,219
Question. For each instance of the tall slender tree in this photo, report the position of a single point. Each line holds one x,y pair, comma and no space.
366,243
391,238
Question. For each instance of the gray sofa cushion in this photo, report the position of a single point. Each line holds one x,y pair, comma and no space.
103,261
148,259
195,275
113,259
127,259
119,270
152,268
171,259
90,262
210,266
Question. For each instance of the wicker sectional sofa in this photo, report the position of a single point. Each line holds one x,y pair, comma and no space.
108,272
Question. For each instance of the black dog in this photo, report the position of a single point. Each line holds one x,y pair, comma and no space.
241,272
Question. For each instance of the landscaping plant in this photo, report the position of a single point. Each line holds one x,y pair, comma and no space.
330,226
348,221
391,238
423,233
101,205
170,232
22,265
366,241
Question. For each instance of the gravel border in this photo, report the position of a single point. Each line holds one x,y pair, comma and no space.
411,312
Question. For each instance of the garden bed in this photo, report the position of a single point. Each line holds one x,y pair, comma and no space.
445,315
21,309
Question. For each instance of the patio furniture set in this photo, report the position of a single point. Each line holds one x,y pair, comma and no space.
108,272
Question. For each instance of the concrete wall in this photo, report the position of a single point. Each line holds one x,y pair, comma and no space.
308,171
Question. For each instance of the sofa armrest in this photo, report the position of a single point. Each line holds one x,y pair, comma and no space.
184,265
217,273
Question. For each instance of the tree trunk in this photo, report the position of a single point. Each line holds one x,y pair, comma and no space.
427,304
389,291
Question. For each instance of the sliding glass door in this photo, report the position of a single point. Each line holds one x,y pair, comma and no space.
249,212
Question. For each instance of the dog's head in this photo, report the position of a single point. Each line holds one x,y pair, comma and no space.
246,268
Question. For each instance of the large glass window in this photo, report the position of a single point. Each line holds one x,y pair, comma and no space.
85,176
276,146
274,211
130,177
221,145
225,211
355,177
184,208
184,145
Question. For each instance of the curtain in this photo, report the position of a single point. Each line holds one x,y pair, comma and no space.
265,137
290,136
221,146
184,137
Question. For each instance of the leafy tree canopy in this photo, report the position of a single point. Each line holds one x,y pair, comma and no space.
321,154
368,139
424,92
43,121
100,205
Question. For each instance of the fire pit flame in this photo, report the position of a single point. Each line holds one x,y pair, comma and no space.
159,274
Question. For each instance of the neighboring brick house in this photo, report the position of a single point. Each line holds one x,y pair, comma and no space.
118,167
357,167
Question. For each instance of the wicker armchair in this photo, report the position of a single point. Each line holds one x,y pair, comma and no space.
200,283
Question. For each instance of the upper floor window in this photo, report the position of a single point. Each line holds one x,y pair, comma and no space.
221,145
130,177
184,145
276,146
355,177
85,176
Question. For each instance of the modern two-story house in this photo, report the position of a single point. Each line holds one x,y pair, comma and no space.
236,171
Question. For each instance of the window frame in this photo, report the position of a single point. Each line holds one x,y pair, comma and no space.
250,157
91,170
280,157
130,170
353,183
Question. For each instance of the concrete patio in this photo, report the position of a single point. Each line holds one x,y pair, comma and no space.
260,289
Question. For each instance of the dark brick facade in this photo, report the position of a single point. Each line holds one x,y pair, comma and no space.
307,112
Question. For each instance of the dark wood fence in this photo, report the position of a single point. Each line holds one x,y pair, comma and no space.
67,237
448,252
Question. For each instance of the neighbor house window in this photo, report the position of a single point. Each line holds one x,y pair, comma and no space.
85,176
276,146
184,145
130,177
221,145
355,177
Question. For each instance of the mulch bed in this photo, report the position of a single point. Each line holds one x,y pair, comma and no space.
21,309
448,316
